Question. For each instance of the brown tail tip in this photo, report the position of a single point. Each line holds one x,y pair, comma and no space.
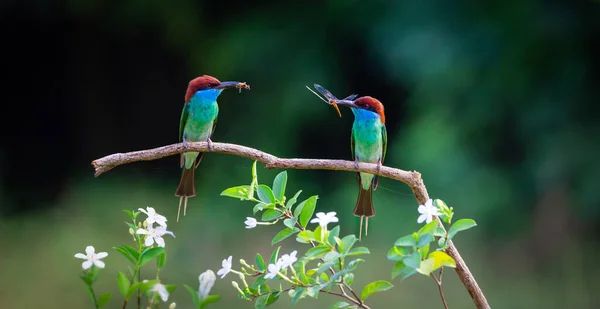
185,189
364,208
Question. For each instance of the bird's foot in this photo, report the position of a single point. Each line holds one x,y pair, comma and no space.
356,163
210,144
378,166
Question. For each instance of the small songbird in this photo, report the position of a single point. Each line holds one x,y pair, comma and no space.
368,144
198,122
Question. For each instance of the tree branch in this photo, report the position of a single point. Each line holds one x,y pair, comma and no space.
412,179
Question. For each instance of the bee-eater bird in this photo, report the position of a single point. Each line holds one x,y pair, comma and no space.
368,144
198,122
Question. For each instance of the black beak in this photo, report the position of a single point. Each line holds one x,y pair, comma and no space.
232,85
347,103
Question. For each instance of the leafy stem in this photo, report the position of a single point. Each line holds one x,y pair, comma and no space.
438,282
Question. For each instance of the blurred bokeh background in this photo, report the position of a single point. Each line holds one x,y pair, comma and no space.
495,103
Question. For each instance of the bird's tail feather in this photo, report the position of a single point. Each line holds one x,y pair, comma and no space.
364,207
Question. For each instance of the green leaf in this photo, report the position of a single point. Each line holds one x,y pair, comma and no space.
347,243
331,256
413,260
209,300
298,294
261,302
126,254
340,305
195,297
324,266
402,270
424,240
240,192
441,259
460,225
305,237
335,232
149,254
349,278
161,260
132,214
273,259
428,228
283,234
265,194
317,252
103,299
123,283
301,271
86,278
305,210
397,253
426,267
358,251
406,241
375,287
439,231
424,251
293,200
290,222
271,214
260,262
279,185
258,207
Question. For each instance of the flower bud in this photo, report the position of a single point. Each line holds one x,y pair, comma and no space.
172,305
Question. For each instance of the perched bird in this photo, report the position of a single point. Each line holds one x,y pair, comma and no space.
198,122
368,144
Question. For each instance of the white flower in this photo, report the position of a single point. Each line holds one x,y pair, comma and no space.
154,235
427,212
226,264
161,290
325,218
273,270
92,257
153,216
207,280
250,222
287,259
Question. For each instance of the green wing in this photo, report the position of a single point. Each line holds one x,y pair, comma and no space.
352,142
384,139
184,116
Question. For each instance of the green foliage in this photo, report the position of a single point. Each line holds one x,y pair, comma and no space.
375,287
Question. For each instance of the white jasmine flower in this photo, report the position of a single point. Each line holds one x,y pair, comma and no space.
250,222
273,270
427,212
287,259
154,235
325,218
91,257
161,290
207,280
153,217
226,264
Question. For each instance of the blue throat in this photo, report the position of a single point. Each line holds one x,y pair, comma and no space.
208,94
363,114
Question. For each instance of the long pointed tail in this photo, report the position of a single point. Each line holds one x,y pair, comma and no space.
186,188
364,207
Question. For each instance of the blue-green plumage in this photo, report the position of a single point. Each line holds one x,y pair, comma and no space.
367,141
197,124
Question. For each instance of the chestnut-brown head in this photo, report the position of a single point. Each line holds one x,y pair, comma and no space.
207,82
365,103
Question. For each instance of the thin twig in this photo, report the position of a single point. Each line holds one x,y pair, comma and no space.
412,179
438,282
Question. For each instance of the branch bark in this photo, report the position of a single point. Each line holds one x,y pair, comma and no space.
412,179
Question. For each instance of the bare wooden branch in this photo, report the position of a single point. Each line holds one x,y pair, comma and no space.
412,179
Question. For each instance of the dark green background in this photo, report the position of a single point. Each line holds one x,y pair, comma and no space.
494,102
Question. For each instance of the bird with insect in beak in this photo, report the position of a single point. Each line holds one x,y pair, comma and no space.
368,144
198,122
